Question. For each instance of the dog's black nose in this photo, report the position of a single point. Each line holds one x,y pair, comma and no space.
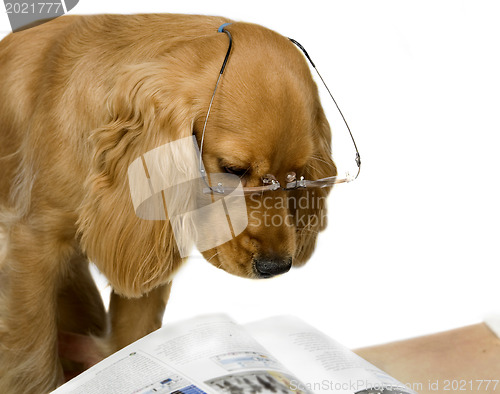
266,267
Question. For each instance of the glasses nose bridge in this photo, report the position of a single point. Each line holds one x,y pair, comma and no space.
271,181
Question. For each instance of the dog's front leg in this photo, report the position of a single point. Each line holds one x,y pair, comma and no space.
133,318
28,344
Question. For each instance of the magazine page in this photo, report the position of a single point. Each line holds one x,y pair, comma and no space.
209,354
321,363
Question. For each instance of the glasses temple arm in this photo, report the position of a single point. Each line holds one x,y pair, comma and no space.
224,63
358,157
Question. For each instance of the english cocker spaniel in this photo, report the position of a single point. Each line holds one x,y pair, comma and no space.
82,99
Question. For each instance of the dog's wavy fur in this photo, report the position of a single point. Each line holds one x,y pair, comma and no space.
81,98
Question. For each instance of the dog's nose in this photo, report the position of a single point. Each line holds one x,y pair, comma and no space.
266,267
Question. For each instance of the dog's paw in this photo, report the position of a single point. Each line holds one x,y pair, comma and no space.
79,352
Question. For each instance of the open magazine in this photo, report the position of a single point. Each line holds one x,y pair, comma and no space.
213,354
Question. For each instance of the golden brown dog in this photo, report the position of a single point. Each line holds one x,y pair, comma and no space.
81,97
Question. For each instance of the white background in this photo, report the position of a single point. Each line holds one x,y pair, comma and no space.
412,245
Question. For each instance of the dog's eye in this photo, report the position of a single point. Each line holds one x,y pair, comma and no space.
236,171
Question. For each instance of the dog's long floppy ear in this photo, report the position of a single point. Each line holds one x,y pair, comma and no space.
148,107
310,213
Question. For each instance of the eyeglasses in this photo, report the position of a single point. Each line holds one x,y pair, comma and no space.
230,184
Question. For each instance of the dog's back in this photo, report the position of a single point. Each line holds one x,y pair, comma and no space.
21,62
40,64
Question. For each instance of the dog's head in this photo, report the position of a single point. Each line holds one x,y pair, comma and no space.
266,118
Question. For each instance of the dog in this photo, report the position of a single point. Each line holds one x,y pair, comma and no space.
82,97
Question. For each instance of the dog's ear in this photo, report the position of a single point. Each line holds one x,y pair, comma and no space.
156,102
147,108
149,105
310,215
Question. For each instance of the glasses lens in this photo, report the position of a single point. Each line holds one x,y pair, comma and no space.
219,185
